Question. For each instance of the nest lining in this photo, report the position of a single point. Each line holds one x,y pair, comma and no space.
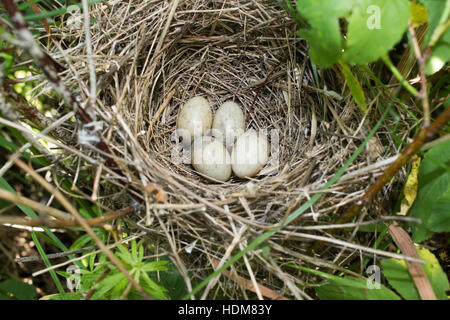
245,51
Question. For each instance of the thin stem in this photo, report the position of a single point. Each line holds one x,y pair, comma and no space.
63,223
421,61
399,76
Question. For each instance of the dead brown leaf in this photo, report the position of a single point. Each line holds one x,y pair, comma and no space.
152,188
404,242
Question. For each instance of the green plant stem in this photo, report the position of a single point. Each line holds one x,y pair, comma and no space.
57,12
399,76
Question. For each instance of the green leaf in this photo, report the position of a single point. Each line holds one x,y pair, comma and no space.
440,54
440,220
107,285
348,288
351,288
173,281
354,86
155,266
66,296
438,11
81,242
375,26
432,204
325,41
20,290
141,253
320,9
4,297
396,272
154,289
134,253
124,254
438,14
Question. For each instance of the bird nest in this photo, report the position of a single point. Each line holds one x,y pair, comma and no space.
151,57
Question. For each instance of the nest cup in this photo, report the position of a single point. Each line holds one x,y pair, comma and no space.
151,58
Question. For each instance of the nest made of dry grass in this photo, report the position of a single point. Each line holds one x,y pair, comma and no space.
150,58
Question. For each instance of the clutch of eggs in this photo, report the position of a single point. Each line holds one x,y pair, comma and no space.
210,157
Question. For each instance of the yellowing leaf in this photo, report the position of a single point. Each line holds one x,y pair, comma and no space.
410,190
419,14
398,276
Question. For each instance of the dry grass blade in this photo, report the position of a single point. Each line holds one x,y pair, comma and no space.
404,242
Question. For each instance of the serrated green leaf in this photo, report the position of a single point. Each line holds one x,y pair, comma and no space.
398,276
155,266
375,26
92,261
124,253
81,242
107,285
141,253
431,204
134,253
354,86
154,289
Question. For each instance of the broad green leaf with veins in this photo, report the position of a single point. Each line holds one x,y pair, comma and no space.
375,26
325,47
433,198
